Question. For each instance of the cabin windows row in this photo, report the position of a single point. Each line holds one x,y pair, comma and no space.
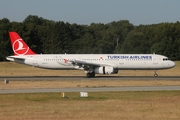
165,59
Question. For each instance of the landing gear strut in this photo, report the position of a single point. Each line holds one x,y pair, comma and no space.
90,74
155,74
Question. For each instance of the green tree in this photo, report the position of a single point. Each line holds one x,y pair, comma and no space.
135,43
4,39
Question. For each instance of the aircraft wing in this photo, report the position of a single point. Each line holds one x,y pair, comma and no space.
86,65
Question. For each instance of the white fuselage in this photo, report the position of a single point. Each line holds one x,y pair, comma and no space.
119,61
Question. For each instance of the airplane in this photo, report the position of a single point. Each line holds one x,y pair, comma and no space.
90,63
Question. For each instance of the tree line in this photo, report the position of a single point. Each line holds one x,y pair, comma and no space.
117,37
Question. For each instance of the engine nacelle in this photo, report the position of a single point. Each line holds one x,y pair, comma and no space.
106,70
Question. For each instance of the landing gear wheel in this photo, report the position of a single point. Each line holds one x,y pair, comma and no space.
155,74
92,74
88,75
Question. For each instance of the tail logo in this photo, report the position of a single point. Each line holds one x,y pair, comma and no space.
18,47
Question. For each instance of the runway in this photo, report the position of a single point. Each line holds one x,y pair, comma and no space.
19,78
98,89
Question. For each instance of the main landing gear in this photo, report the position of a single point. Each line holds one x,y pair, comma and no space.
155,73
90,74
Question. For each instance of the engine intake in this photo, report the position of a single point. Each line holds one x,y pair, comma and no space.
106,70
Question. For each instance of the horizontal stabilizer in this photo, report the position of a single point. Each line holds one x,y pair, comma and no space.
15,59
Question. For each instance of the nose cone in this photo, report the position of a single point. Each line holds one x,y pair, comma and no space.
172,64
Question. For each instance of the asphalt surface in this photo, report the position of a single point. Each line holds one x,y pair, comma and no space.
19,78
98,89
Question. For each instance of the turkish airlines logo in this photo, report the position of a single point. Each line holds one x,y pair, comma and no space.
18,47
65,60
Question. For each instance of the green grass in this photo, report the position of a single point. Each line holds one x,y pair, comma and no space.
130,95
130,105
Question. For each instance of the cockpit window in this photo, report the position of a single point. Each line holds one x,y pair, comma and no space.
165,59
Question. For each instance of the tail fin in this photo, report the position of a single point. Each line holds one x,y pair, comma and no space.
19,46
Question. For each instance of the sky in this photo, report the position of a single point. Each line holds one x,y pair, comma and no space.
93,11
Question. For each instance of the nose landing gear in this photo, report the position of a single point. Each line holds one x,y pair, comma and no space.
155,73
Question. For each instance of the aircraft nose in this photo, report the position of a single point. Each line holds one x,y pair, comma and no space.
172,64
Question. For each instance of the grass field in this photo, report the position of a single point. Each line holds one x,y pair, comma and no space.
157,105
84,83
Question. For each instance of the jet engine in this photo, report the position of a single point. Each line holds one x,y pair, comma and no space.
106,70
